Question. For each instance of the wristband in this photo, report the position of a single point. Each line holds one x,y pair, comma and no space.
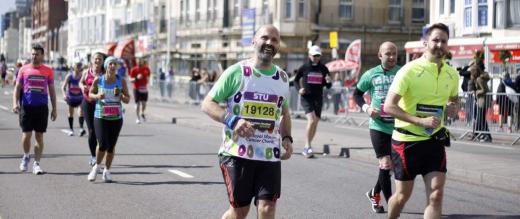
231,120
289,137
365,107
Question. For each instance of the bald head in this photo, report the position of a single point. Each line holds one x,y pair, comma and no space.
267,28
266,43
387,45
388,55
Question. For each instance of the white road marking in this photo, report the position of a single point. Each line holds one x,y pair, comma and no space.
180,173
4,108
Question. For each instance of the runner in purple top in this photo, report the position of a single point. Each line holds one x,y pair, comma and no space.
35,83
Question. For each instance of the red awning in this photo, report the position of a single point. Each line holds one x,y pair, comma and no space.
504,43
125,49
110,47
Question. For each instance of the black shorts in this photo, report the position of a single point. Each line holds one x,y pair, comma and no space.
140,96
4,75
312,104
74,103
382,143
417,157
107,132
247,179
34,118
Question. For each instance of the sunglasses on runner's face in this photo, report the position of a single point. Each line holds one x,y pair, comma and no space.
316,56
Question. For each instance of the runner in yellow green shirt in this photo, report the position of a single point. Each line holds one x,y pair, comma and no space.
422,92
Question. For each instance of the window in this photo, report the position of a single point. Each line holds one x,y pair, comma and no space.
197,10
467,13
394,11
301,8
236,8
288,6
208,11
345,9
265,6
418,11
245,3
482,13
514,13
181,15
441,7
452,6
215,10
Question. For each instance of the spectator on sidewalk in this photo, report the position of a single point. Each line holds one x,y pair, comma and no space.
162,83
505,105
169,83
194,86
337,91
203,83
481,89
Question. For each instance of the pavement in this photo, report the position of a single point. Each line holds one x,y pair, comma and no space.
492,165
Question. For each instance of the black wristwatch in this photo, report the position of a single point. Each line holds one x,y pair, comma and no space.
289,137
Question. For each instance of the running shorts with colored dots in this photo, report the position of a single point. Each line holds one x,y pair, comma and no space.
34,118
382,143
140,96
247,179
312,104
418,157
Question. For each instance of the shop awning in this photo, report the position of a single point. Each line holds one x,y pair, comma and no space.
512,44
110,47
460,48
125,49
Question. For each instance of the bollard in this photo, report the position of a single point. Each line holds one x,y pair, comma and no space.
344,153
326,150
174,120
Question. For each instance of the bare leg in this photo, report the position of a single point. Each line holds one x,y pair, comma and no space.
312,125
236,213
403,191
266,209
434,184
38,148
26,142
109,159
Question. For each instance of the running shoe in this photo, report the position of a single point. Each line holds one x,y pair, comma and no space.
107,177
374,201
24,163
144,118
37,170
307,152
71,133
137,121
82,132
92,161
93,173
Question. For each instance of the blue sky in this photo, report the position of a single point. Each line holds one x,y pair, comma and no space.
7,5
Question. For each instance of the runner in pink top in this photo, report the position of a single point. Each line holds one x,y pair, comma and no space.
35,83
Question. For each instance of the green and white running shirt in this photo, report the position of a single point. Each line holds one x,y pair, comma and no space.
377,82
257,96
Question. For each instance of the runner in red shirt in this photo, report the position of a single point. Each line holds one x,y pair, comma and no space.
139,77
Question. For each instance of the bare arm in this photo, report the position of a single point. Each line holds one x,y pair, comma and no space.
52,95
94,90
243,128
394,110
82,82
285,130
16,97
125,97
64,86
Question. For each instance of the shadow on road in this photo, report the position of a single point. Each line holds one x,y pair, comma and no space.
157,166
133,183
468,216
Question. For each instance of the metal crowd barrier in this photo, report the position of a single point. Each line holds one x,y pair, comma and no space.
492,114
